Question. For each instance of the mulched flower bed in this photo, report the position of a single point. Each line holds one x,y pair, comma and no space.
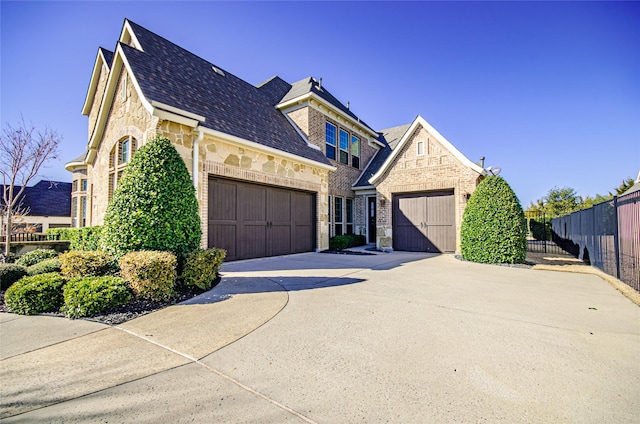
133,309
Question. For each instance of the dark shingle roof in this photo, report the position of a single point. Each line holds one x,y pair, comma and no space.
304,86
390,138
47,198
108,56
171,75
393,135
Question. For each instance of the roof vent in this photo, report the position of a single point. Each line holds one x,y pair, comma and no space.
218,71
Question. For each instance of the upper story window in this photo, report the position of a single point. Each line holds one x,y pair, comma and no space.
119,157
340,145
330,139
420,148
355,151
344,146
83,184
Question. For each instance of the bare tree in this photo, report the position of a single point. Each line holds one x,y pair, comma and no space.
23,151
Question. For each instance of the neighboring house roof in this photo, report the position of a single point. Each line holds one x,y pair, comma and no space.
46,198
171,75
76,163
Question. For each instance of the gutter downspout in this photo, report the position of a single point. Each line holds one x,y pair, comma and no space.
196,160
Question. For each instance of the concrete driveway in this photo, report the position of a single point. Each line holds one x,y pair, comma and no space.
399,337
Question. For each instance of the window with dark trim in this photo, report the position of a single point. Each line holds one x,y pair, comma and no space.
344,146
330,139
349,211
338,214
355,151
330,217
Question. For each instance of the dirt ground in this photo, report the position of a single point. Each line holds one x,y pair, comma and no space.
567,263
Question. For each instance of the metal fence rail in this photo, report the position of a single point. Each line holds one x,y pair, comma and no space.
606,236
23,237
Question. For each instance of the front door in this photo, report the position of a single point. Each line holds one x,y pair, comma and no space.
371,216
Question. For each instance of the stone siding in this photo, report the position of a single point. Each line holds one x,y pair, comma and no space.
437,169
97,99
126,118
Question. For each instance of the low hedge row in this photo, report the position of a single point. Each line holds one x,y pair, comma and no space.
35,256
150,274
83,238
87,263
201,267
88,296
346,241
43,267
35,294
81,283
9,274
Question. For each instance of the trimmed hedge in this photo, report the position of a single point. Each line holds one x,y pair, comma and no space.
154,206
150,274
48,265
84,238
84,297
493,225
36,294
9,274
87,263
35,256
201,267
346,241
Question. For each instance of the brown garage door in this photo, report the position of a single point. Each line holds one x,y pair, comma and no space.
424,222
253,221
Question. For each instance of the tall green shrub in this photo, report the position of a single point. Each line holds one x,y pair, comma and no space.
493,225
154,206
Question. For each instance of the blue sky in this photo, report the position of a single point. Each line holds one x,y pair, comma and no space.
549,91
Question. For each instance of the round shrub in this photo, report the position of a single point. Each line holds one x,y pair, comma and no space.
150,274
9,274
84,297
201,267
87,263
36,294
48,265
154,206
493,225
35,256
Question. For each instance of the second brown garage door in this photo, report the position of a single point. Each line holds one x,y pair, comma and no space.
252,221
424,222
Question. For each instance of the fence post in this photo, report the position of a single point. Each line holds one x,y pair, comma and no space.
616,238
544,228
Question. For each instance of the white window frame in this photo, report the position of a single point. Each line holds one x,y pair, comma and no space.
418,144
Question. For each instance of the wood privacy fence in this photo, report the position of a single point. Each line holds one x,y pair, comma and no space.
606,236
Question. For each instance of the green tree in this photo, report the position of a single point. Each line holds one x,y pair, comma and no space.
627,183
154,206
493,225
561,201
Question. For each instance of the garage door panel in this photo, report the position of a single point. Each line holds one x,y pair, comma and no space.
424,222
222,206
280,239
251,220
223,237
253,241
251,203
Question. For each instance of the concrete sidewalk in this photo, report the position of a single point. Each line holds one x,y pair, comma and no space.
400,337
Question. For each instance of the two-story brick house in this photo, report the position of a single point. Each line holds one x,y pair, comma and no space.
278,168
